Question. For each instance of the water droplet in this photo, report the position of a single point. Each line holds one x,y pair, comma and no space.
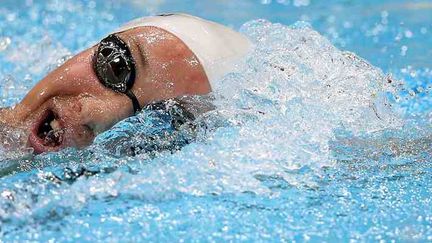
92,4
347,25
300,3
412,93
404,50
4,43
408,34
11,17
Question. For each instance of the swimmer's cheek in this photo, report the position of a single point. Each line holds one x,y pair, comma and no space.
82,137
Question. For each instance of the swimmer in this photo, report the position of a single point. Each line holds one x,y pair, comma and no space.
148,60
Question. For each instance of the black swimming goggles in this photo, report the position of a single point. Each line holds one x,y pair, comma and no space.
115,67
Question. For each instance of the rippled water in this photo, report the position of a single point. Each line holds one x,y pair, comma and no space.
307,142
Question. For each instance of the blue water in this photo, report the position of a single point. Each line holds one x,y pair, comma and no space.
307,143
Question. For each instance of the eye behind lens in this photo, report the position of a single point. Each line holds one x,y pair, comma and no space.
114,64
106,52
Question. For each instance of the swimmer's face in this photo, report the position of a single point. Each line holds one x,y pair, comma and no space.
70,106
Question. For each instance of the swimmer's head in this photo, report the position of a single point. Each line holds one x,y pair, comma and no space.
148,60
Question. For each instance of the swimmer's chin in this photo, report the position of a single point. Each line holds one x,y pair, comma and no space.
38,146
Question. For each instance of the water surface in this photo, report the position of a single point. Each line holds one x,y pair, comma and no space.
309,140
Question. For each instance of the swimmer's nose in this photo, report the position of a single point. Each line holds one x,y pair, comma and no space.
74,77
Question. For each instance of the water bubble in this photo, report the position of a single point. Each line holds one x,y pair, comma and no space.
305,17
11,17
300,3
412,93
408,34
4,43
398,37
347,25
331,19
284,2
404,50
384,17
91,4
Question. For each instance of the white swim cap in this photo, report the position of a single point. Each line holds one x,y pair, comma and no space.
217,47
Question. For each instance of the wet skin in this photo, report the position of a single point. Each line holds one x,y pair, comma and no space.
69,107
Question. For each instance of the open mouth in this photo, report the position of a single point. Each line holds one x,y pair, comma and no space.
48,133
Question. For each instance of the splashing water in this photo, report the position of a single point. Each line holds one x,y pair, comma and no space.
296,144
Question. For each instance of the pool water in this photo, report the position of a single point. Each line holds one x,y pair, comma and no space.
323,134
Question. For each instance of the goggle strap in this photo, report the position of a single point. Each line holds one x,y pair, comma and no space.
135,103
